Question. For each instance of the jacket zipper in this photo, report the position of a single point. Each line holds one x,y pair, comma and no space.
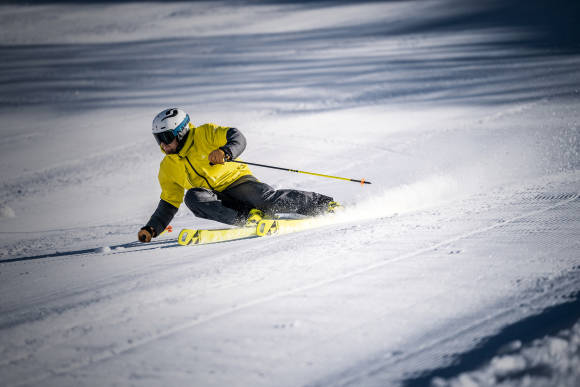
198,174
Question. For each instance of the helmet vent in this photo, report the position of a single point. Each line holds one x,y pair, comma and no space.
169,114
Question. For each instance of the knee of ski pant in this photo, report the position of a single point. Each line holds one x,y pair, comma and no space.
195,195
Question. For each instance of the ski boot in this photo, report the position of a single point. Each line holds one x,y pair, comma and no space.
254,218
334,207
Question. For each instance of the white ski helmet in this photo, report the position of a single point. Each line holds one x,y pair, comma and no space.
170,124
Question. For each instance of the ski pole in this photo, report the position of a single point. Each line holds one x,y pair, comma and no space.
167,229
361,181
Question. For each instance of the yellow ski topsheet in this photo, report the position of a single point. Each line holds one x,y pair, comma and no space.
198,237
285,226
265,227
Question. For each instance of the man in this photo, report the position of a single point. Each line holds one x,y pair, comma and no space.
196,161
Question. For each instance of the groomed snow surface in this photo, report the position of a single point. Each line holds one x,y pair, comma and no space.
458,266
549,360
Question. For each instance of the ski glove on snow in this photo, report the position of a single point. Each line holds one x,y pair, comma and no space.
145,234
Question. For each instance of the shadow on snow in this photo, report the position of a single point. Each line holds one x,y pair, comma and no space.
547,323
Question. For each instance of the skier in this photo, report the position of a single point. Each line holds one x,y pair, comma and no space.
196,161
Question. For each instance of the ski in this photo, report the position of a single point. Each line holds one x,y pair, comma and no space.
265,227
260,227
199,237
285,226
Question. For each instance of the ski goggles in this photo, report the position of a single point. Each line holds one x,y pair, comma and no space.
168,136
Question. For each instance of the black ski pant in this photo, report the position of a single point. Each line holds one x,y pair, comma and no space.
232,205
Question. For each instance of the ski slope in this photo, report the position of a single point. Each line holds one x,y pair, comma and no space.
458,266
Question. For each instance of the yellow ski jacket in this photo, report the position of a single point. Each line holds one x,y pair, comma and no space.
190,167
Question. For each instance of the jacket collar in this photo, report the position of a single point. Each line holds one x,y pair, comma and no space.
188,143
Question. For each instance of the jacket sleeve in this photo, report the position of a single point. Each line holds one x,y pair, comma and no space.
161,217
235,145
171,191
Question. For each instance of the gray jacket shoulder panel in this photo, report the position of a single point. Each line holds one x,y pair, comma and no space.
236,143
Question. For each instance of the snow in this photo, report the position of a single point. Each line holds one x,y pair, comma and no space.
464,118
552,360
6,212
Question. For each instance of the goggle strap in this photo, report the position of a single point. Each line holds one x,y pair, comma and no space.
180,127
